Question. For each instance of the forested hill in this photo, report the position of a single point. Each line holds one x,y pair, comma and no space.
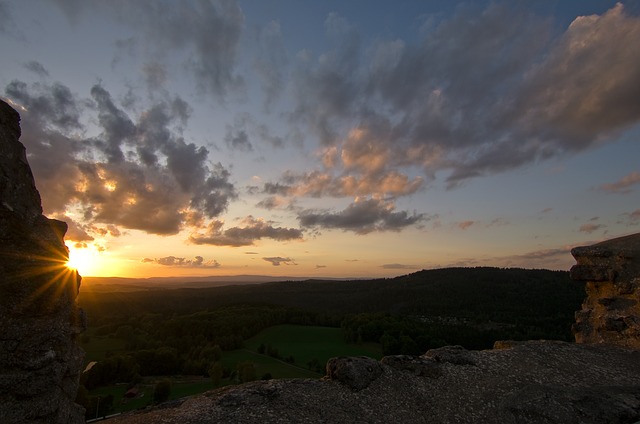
479,293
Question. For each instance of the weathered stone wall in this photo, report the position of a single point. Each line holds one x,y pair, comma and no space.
40,361
611,312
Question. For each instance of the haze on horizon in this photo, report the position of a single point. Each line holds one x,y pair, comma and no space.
334,139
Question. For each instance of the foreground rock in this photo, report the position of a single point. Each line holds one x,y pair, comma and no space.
611,312
39,359
523,382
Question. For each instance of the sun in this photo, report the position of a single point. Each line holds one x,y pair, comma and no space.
86,260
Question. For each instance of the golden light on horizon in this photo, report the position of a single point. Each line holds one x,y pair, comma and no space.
88,261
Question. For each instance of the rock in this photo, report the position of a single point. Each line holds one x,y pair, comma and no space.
452,354
611,312
530,382
40,361
419,366
355,372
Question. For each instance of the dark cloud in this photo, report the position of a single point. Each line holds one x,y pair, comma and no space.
277,260
137,173
623,185
253,229
362,217
236,137
271,202
34,66
174,261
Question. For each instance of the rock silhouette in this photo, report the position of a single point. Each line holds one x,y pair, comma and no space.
40,361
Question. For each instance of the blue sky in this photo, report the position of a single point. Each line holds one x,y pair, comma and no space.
337,138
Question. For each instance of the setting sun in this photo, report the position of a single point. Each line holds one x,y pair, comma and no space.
87,260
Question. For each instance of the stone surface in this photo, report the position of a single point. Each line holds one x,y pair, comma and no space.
529,382
611,312
355,372
40,361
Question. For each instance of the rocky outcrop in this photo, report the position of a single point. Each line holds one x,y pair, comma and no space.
39,320
524,382
611,312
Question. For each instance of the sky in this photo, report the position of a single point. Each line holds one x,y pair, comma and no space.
351,138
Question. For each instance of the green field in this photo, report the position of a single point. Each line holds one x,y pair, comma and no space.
305,343
181,387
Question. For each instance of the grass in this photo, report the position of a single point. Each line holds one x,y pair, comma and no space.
265,364
305,343
180,387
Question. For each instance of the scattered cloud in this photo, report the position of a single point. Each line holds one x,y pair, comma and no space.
253,229
590,228
36,67
174,261
463,225
633,217
622,186
362,217
207,34
277,261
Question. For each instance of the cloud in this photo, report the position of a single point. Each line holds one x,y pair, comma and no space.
399,266
271,202
6,19
463,225
174,261
36,67
75,231
236,137
205,33
270,62
253,229
490,90
590,228
133,172
277,260
623,185
633,217
362,217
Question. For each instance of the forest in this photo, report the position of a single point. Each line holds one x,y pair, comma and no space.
225,335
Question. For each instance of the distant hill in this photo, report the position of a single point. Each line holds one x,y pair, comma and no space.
120,284
482,293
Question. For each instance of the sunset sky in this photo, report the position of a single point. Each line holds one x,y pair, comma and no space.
351,138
